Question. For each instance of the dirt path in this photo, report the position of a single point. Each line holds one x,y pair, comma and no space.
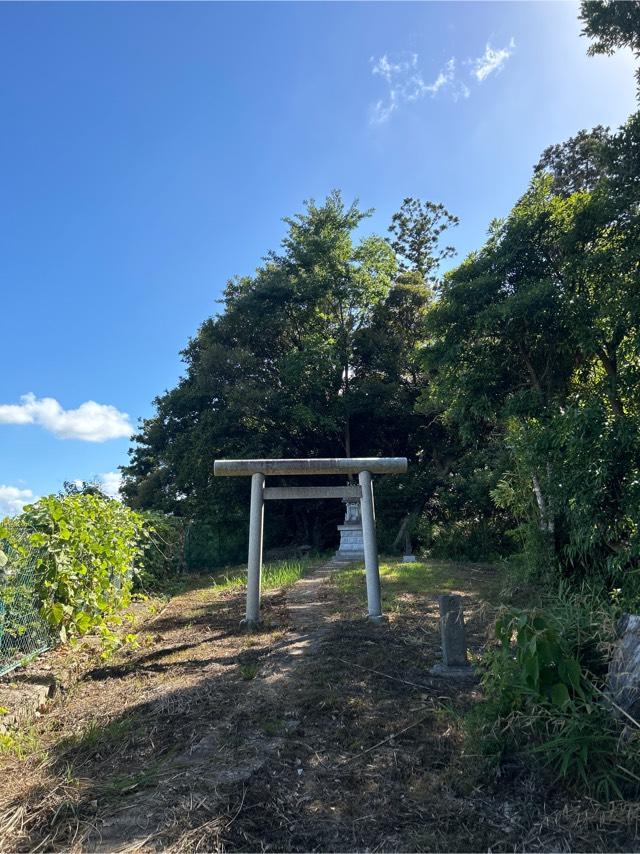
321,732
147,742
239,745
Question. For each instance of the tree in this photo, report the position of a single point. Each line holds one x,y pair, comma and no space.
271,375
346,281
612,25
416,230
536,337
577,164
317,354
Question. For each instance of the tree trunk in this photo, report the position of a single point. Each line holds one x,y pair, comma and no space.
546,519
609,359
347,436
405,527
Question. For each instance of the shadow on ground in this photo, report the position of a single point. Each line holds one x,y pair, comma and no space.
328,738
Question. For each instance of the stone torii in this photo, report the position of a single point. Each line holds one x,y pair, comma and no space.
258,469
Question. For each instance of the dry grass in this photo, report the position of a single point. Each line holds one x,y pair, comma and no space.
332,738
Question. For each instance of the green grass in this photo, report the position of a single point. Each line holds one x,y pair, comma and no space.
121,785
398,579
97,736
249,671
273,726
282,573
20,743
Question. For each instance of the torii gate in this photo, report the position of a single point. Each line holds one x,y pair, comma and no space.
258,469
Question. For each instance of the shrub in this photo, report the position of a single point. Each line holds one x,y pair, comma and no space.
545,700
86,551
163,556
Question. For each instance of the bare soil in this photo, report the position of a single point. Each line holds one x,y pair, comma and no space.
321,732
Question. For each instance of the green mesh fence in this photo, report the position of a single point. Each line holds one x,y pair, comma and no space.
23,632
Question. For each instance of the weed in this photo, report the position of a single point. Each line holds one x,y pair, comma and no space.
132,641
282,573
400,582
121,785
272,726
97,737
20,743
249,671
543,688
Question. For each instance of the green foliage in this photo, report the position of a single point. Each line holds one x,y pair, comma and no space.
544,699
86,551
545,670
283,573
578,164
460,520
163,558
534,345
249,671
21,743
212,543
416,230
611,25
276,574
317,354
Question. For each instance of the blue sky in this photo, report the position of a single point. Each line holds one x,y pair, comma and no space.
149,151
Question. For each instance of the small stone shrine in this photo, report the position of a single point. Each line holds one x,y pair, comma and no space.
351,538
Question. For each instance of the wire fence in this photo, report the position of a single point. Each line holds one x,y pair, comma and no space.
23,632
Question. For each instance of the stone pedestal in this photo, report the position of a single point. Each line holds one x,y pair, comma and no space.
351,539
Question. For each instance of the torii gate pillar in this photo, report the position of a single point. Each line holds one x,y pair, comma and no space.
254,563
372,570
363,467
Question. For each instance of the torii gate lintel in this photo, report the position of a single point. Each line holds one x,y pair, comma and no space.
258,469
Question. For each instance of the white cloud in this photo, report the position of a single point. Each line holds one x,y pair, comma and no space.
110,483
406,84
13,499
491,60
90,422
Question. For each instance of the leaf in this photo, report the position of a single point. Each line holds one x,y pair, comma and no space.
545,652
4,560
531,670
570,672
82,622
560,694
56,613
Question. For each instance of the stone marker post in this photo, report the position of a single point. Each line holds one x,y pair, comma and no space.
452,631
454,638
